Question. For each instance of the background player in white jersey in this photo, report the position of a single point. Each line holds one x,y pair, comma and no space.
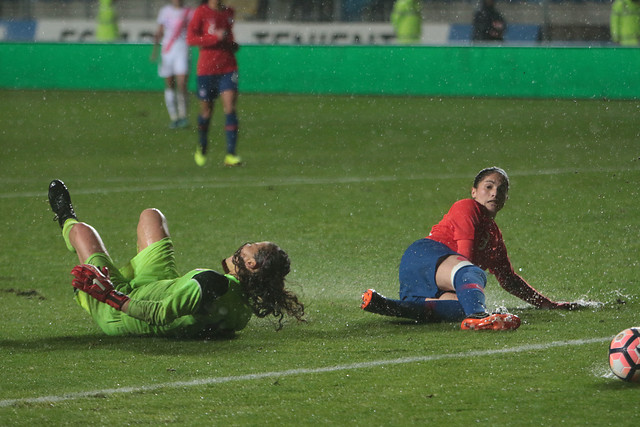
174,60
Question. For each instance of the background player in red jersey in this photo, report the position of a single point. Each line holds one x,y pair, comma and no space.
211,29
442,277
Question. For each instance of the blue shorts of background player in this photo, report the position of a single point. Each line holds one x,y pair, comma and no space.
210,87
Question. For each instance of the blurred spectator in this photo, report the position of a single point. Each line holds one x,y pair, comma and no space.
351,10
299,10
488,23
325,9
377,11
406,18
107,22
310,10
262,11
625,22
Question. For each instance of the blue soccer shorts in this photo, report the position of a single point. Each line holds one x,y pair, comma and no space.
211,86
418,267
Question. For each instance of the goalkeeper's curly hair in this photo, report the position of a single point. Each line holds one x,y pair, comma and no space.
265,286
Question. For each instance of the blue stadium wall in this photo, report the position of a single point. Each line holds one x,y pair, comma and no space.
505,71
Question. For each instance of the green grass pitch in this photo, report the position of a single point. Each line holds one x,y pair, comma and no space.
343,184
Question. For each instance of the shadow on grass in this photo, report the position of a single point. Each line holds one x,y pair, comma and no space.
616,385
140,344
529,315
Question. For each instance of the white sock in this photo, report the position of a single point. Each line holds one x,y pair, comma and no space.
170,101
181,99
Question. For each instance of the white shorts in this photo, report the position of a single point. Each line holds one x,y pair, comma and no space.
175,62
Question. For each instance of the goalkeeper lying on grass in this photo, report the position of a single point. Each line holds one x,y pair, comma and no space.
149,297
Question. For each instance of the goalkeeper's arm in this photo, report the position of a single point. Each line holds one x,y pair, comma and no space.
97,284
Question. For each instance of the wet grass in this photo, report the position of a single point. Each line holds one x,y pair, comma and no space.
344,184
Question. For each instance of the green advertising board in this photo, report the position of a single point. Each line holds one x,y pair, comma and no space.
500,71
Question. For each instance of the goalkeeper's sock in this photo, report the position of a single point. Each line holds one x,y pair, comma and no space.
66,229
231,129
469,282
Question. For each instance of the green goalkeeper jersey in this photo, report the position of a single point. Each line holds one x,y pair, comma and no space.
173,308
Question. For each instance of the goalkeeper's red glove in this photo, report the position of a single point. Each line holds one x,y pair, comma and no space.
88,278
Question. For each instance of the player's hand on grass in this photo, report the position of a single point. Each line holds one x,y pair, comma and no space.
576,305
95,282
564,305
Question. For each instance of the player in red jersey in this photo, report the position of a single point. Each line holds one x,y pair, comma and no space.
442,277
211,29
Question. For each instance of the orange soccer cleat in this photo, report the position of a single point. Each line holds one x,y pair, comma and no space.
496,322
369,298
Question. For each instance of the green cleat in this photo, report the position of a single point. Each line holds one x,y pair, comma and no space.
232,160
199,157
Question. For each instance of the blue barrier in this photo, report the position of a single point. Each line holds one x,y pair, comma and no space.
18,30
460,32
522,32
514,33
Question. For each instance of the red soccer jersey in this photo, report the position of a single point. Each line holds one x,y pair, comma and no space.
216,54
469,220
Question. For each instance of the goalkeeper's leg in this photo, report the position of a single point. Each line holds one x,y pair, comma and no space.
85,240
152,227
88,245
79,237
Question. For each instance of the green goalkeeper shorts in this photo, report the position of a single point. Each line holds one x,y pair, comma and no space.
155,262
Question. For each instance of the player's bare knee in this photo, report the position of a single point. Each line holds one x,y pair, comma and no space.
152,227
151,215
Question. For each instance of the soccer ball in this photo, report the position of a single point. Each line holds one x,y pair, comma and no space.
624,355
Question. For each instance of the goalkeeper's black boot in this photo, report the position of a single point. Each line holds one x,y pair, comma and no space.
60,202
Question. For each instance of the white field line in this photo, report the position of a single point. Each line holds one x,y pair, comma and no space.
299,371
159,183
